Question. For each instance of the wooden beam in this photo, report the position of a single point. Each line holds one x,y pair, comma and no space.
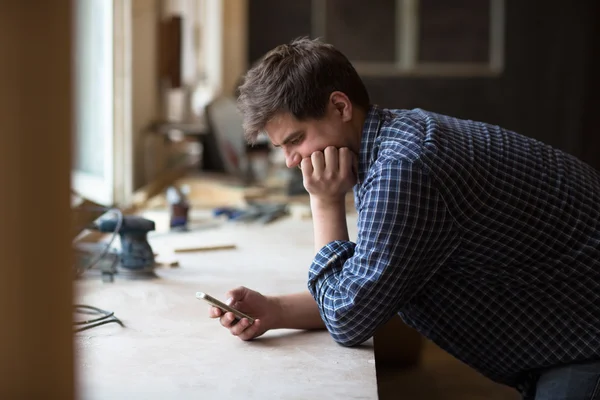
36,345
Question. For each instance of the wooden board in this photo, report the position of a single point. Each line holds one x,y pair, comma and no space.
171,349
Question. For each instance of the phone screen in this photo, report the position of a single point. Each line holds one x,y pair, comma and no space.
224,307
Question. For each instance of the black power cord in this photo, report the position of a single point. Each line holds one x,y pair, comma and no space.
79,270
106,317
101,317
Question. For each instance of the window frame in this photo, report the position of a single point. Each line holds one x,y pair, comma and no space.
407,45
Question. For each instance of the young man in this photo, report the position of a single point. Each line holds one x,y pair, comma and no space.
485,241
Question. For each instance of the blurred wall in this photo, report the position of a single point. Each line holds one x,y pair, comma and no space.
220,52
548,89
144,86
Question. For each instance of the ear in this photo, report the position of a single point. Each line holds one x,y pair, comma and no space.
342,105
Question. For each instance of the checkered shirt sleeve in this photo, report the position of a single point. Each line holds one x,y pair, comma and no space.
406,232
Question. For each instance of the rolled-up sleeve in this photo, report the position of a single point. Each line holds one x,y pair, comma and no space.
404,234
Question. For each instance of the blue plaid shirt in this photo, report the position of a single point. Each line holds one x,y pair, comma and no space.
485,241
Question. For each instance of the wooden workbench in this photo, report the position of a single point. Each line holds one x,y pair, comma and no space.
170,349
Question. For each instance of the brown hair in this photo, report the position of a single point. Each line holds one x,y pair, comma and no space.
297,78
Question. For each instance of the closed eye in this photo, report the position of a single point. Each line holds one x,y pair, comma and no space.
292,139
295,141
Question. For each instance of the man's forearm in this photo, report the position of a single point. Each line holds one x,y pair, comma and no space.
329,221
298,311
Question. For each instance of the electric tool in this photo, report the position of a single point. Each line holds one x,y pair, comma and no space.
136,259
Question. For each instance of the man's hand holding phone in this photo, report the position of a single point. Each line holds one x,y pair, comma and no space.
265,311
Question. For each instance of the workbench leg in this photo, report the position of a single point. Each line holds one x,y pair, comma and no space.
36,344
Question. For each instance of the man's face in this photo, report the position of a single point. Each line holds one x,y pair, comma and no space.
299,139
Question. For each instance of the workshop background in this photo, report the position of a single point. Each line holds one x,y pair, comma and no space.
157,144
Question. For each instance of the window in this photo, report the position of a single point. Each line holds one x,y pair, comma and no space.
415,37
102,143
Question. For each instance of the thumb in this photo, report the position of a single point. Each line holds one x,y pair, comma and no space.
235,295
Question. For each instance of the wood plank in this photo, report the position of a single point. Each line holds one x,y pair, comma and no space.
36,346
205,248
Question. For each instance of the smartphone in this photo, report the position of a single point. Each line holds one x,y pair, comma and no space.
224,307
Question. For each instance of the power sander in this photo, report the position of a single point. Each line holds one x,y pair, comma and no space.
136,259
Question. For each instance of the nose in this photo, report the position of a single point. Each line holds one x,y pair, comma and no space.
292,159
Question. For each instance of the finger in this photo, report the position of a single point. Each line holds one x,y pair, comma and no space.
346,161
235,295
331,159
214,312
239,328
318,162
228,320
252,331
306,167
